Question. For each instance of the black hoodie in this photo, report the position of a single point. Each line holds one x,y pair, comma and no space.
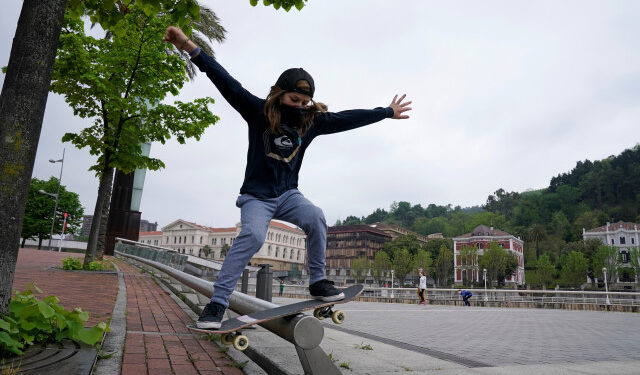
274,160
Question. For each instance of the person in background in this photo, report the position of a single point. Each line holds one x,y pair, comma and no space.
422,287
465,296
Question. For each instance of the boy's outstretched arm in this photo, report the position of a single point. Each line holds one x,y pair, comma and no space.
335,122
237,96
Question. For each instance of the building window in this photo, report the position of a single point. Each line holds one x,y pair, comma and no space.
190,251
193,239
180,226
633,240
179,239
622,240
200,239
625,257
269,251
277,251
612,242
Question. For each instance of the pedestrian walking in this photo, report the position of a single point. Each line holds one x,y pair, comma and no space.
422,287
281,287
465,296
281,128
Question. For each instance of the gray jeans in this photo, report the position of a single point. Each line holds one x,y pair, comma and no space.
255,216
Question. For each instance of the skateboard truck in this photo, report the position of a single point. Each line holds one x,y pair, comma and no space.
237,339
337,316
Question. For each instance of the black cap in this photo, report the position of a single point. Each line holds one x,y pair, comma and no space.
290,77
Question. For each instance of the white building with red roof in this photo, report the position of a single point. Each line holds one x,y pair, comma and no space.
480,238
284,246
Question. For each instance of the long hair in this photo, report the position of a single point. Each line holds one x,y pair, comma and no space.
272,109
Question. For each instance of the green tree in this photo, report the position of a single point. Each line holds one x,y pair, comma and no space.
224,250
402,264
381,266
545,271
468,261
39,210
409,242
120,83
423,260
493,260
360,268
444,266
608,257
28,76
634,261
511,264
574,268
206,250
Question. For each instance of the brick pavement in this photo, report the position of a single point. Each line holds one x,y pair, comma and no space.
158,341
91,291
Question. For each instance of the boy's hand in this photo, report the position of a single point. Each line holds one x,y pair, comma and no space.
175,36
399,107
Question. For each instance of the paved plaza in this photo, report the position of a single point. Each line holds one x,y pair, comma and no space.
479,337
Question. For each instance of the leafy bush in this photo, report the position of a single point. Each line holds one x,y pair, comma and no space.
70,263
32,321
94,266
76,264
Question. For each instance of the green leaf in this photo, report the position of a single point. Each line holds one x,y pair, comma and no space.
46,310
4,325
10,344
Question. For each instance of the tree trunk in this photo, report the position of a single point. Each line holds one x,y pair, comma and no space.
102,238
106,180
22,104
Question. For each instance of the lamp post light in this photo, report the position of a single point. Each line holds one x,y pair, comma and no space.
606,288
392,273
56,195
484,276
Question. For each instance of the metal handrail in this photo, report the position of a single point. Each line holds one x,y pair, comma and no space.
304,331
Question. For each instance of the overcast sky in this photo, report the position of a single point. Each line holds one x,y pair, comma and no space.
506,94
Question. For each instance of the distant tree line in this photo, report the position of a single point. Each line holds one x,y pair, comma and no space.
549,220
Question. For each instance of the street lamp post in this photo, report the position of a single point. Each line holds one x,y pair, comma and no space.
606,288
56,195
484,276
392,272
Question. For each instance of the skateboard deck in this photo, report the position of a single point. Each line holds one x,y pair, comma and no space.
243,321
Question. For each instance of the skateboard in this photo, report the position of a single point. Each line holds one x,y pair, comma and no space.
230,328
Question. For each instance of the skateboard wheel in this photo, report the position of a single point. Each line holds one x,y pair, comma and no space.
241,342
317,313
226,339
338,317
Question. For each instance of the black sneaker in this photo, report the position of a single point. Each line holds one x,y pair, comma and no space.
325,291
211,316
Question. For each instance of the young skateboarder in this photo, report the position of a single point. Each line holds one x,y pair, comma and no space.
281,127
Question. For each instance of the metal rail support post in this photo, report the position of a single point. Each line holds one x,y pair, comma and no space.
264,282
303,331
245,281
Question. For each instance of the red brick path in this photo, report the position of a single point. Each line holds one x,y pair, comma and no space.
158,341
93,292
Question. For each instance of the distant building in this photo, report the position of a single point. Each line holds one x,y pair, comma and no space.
395,231
622,235
284,247
87,220
86,225
146,226
480,239
348,242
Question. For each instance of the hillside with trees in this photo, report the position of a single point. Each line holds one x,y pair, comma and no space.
550,220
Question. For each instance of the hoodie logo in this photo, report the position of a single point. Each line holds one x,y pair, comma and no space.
283,142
